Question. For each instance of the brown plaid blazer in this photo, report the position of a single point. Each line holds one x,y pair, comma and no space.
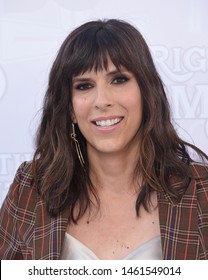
27,231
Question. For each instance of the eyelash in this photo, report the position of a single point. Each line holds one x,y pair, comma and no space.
120,80
83,86
116,81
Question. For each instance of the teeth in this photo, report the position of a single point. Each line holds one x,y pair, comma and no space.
108,123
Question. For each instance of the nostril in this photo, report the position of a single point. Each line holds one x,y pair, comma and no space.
102,106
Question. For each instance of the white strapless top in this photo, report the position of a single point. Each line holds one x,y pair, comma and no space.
73,249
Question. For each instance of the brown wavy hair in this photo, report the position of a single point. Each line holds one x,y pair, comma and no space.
58,174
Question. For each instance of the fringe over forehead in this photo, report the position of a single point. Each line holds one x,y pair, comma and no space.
91,45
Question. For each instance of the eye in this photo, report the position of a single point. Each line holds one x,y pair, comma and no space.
120,80
83,86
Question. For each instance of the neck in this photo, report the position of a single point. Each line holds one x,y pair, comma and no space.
113,172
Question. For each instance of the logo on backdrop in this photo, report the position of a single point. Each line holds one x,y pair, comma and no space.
184,72
179,67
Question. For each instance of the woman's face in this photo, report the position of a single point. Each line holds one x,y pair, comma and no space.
108,109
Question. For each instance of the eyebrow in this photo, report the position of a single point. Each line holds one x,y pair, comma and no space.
109,73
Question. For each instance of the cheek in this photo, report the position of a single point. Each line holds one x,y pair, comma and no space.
137,99
133,101
80,107
135,108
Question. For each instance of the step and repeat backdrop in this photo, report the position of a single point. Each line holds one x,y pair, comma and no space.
31,33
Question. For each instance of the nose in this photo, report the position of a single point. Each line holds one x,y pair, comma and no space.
104,98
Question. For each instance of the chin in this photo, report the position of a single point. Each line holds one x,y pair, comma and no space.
110,148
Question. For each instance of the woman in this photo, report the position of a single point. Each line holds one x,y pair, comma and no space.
110,178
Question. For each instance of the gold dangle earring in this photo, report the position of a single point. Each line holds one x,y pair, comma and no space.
77,146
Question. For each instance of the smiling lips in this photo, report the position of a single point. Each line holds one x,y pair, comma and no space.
106,123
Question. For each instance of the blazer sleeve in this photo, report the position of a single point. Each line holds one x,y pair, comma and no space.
9,238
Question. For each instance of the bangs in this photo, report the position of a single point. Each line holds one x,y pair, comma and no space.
92,50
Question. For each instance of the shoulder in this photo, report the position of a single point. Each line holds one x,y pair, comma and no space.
198,184
199,169
17,214
22,190
199,174
24,174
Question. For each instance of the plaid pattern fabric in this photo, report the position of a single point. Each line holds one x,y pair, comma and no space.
184,225
27,232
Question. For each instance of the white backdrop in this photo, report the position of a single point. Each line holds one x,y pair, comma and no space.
31,31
